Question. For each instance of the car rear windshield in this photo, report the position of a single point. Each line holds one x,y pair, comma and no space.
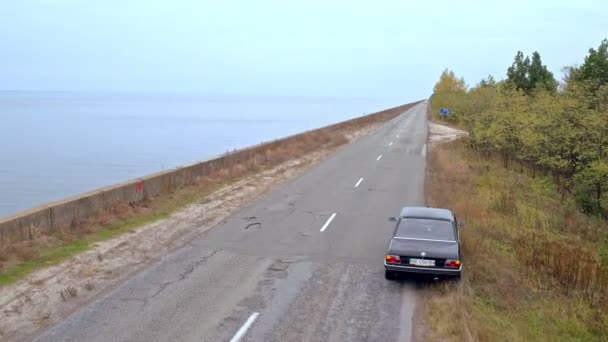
425,229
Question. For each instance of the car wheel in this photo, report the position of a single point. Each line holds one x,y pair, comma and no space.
456,278
388,275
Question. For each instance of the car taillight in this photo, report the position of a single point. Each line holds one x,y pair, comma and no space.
393,259
452,263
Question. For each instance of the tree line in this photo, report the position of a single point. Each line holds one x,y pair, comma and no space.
529,118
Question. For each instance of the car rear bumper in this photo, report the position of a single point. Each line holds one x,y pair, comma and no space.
423,270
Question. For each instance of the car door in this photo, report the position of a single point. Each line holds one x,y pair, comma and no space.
457,230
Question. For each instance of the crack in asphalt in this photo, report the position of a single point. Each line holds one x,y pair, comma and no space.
182,276
254,225
316,214
192,266
128,299
377,190
162,288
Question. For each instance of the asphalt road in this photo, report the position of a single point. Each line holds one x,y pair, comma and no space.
304,263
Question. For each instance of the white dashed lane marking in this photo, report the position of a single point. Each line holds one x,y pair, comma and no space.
331,218
243,330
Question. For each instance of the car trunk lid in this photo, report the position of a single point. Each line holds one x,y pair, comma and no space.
424,249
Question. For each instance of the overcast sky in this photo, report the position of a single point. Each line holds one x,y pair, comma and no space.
394,49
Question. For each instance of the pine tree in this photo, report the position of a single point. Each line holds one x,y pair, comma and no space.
527,75
539,76
595,68
517,74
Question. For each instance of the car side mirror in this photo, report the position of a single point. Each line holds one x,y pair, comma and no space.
460,224
392,219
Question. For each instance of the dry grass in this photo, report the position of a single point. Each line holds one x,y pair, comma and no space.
532,265
571,264
20,258
42,319
89,286
68,292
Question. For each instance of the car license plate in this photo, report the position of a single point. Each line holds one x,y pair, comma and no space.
422,262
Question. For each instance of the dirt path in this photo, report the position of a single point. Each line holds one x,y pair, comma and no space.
440,134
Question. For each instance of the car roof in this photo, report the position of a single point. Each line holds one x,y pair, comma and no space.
426,212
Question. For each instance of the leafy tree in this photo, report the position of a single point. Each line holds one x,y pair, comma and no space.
524,119
570,77
592,187
449,92
487,82
507,124
449,83
592,76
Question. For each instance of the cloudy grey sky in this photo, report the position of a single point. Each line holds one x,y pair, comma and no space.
315,47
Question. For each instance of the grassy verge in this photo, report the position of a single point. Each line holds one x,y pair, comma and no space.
533,263
21,259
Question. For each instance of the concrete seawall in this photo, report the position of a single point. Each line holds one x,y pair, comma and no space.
66,214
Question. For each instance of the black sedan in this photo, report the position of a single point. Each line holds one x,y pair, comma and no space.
425,241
